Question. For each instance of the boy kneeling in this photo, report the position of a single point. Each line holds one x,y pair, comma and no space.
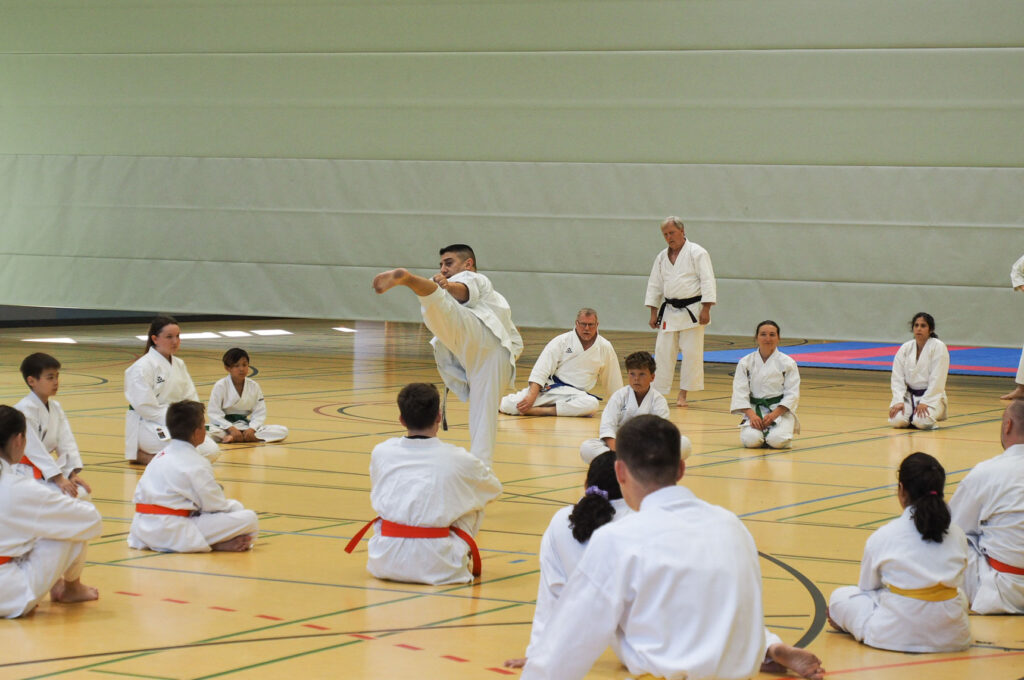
179,506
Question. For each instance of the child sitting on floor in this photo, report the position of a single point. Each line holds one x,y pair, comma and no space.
237,409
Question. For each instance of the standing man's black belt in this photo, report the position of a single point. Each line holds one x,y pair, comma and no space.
678,304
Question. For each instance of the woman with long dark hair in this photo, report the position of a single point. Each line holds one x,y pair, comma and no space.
919,372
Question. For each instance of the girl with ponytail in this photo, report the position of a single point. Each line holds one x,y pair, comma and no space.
566,538
908,598
43,532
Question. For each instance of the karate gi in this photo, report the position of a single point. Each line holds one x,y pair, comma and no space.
927,372
567,373
761,379
559,555
152,384
1017,280
228,408
181,478
667,611
48,433
45,531
690,276
896,555
426,483
621,407
475,346
989,506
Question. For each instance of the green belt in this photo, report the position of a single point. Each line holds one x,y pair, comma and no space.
766,403
235,417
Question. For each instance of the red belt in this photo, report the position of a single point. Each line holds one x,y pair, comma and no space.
395,530
1003,567
5,560
147,509
36,472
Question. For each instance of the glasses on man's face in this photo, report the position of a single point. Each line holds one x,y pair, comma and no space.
586,325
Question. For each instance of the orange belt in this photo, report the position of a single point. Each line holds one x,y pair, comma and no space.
5,560
1003,567
36,472
147,509
395,530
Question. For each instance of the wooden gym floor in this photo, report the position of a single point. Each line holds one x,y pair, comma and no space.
298,606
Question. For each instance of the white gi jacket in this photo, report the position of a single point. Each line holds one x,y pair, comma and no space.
492,309
1017,273
225,400
559,555
28,512
690,276
927,372
426,483
152,384
565,358
181,478
671,612
52,434
762,379
622,406
989,506
896,555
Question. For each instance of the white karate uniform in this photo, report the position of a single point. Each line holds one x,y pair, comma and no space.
181,478
152,384
1017,280
228,408
896,555
475,346
763,379
671,612
559,555
989,506
45,532
690,276
927,372
426,483
621,407
581,370
49,443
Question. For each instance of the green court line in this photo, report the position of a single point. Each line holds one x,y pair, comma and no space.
131,675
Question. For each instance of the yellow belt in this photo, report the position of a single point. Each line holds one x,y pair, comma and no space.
936,593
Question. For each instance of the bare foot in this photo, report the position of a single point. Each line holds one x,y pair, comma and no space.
800,661
681,399
72,591
515,663
227,439
142,458
834,624
1018,393
249,436
236,544
387,280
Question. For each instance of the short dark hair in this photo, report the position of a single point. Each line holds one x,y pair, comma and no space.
12,423
641,360
234,355
768,322
462,250
33,365
419,404
157,325
185,417
649,447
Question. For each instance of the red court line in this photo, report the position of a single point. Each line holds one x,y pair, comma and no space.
313,625
415,649
171,599
123,592
922,663
501,670
454,658
268,616
362,637
223,609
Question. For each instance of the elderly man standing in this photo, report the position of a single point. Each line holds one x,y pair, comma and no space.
682,282
989,506
570,366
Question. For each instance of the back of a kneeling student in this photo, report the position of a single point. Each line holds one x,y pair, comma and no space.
179,506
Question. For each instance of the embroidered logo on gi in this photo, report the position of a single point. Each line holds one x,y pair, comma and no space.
159,378
568,350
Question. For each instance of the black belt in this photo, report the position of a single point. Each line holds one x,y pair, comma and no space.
683,303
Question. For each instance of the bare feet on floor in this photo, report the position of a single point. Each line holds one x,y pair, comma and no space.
515,663
387,280
236,544
1017,393
800,661
73,591
681,399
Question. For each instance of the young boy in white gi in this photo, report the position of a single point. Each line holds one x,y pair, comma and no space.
475,345
237,408
429,497
571,365
179,506
635,577
48,430
43,532
634,399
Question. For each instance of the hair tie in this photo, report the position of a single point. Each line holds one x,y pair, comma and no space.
596,491
933,493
